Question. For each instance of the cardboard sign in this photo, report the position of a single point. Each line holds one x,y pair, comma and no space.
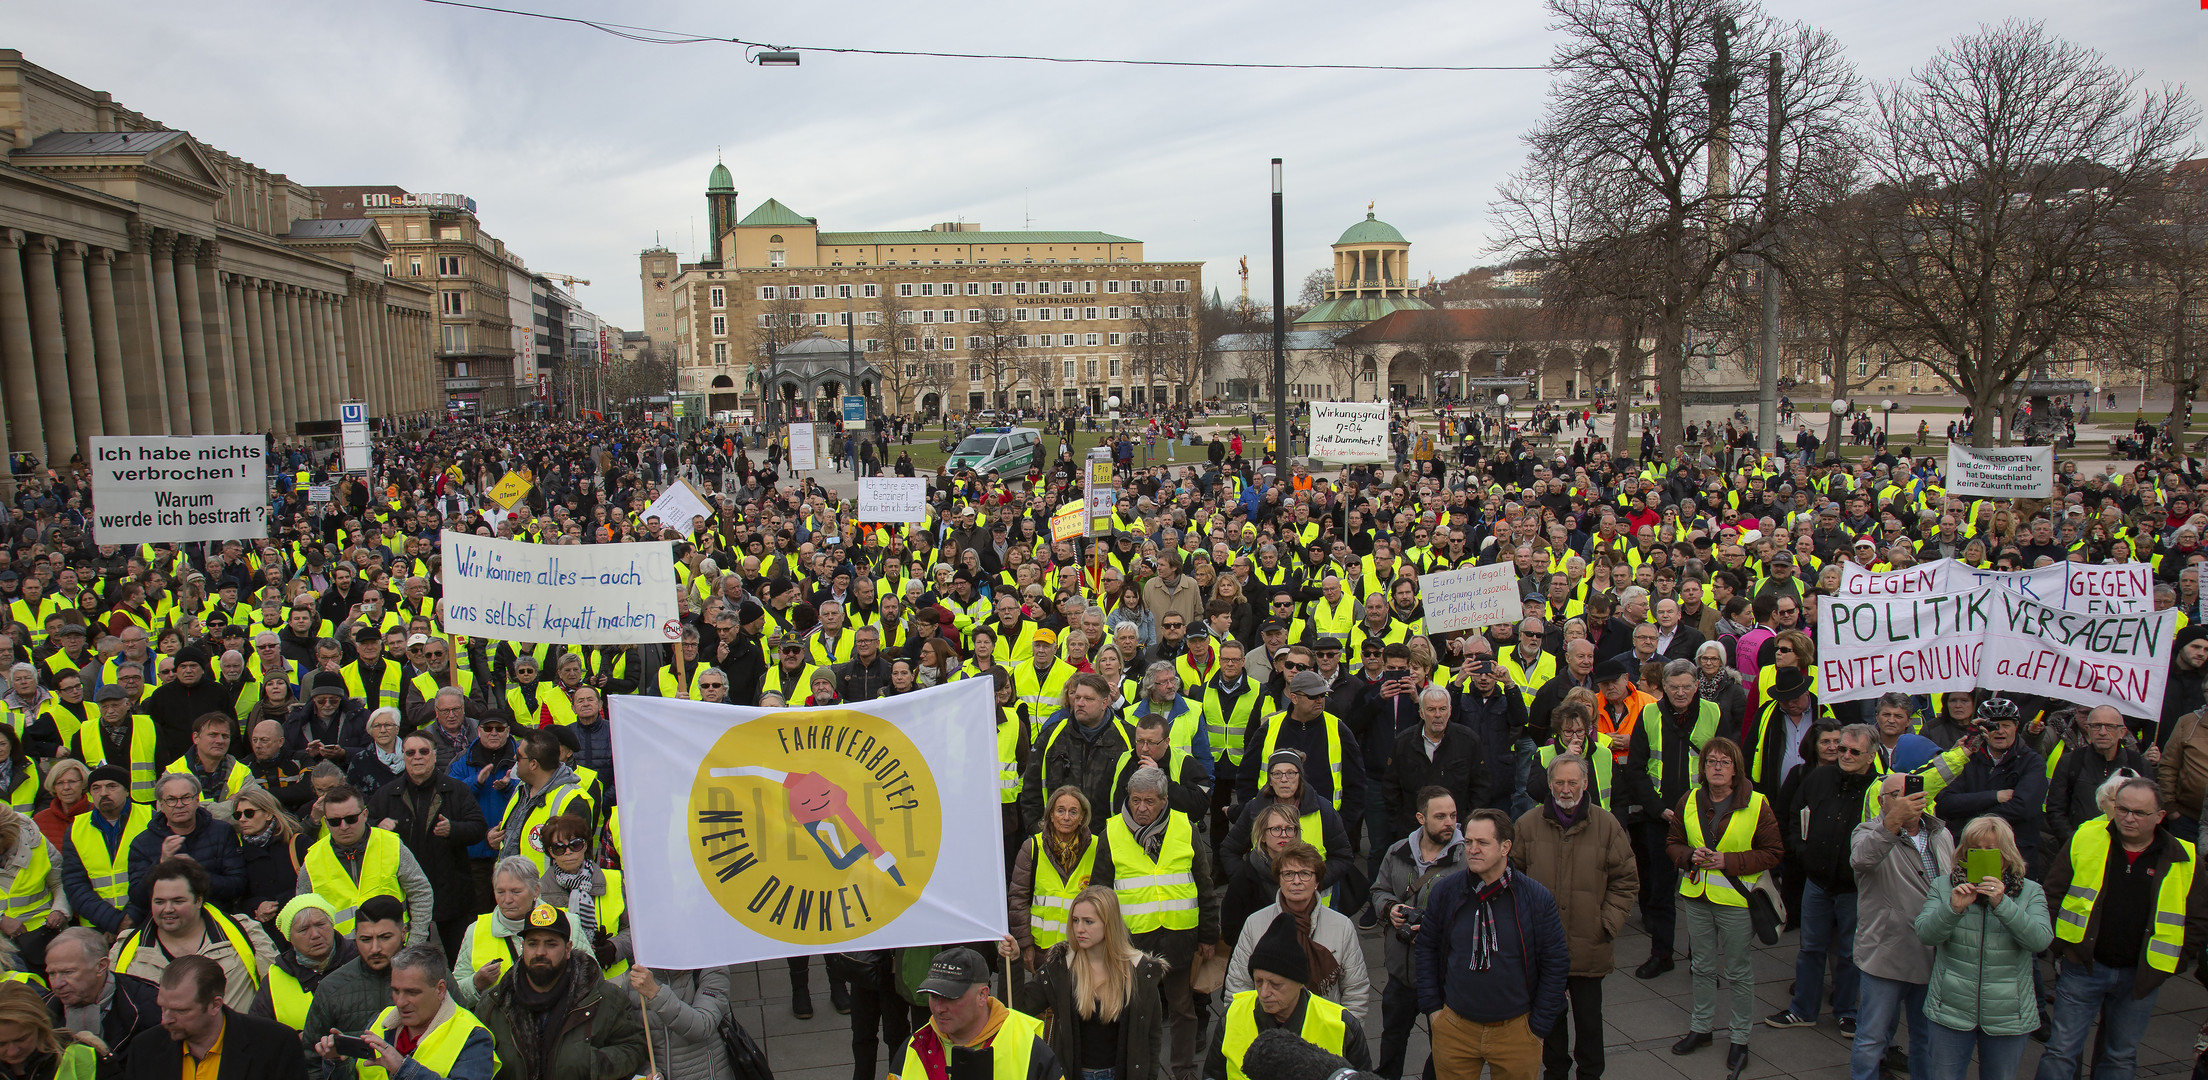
893,498
677,506
1469,597
1349,431
587,594
1068,523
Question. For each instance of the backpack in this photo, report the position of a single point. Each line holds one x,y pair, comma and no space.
745,1055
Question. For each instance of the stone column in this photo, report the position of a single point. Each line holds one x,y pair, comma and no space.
146,382
51,347
196,395
214,323
76,317
171,373
349,383
107,344
284,401
17,359
325,367
246,360
302,357
379,348
358,361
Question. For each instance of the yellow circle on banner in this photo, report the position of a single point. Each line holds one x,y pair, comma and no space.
815,827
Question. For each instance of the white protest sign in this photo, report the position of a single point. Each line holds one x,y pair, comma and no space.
2122,661
2071,586
1472,596
1349,431
803,456
585,594
677,506
151,489
763,833
893,498
2001,472
1926,642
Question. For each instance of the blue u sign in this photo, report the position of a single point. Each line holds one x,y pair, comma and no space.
352,412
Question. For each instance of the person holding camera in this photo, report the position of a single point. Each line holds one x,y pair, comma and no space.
1898,857
1405,878
1579,850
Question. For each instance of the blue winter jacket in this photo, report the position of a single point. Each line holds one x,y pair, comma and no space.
1444,974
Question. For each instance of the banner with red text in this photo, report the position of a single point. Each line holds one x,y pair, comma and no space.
2071,586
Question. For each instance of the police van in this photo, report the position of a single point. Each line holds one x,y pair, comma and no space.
1004,450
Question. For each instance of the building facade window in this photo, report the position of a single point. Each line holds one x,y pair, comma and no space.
720,326
453,302
777,257
450,266
973,372
870,291
904,288
720,354
719,296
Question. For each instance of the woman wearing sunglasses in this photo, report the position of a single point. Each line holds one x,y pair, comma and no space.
275,846
591,896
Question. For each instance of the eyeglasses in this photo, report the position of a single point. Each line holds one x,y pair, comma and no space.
348,819
1298,875
420,751
2127,812
179,800
1281,830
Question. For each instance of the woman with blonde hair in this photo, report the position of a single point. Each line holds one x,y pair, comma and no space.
31,1048
1103,993
275,847
1984,935
1048,870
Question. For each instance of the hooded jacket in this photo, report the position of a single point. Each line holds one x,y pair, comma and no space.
1391,885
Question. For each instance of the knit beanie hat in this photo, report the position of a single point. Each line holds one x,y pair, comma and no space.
1280,953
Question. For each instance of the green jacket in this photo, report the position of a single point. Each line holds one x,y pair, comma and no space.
601,1038
1982,960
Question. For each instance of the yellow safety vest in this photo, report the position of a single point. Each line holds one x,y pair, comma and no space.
1652,723
549,700
1229,727
1338,622
108,872
230,933
1528,680
1333,749
487,948
232,783
1052,896
92,750
1740,835
1323,1027
1041,694
1009,735
532,844
387,686
1160,893
2089,869
288,998
610,907
438,1050
1603,760
26,787
794,691
1010,1050
379,875
27,896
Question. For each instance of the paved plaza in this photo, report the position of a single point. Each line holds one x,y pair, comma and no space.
1643,1020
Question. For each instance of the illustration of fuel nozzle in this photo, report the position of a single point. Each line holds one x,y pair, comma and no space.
819,805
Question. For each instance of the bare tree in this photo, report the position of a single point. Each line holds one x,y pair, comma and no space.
1618,189
1315,285
2162,316
1005,362
630,380
1826,295
2004,170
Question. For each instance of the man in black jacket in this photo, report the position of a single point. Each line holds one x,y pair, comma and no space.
1660,768
1496,715
1391,707
1833,796
2079,775
2004,777
1437,753
437,818
81,999
1083,751
199,1024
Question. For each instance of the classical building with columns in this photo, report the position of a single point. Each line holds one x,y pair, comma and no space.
151,285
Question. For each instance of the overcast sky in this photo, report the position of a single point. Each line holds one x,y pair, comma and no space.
580,148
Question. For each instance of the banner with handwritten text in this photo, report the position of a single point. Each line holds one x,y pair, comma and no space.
587,594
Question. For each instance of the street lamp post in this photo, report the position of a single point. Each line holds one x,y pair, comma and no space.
1839,437
1280,333
1885,426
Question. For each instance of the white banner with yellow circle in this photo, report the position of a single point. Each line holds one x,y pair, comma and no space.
751,834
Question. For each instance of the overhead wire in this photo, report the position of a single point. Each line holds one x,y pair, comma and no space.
651,36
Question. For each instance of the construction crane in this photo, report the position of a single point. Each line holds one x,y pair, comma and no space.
568,280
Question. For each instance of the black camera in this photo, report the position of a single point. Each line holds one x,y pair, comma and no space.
1412,917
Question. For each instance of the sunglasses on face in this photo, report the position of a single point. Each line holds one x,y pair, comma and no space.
564,847
348,819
